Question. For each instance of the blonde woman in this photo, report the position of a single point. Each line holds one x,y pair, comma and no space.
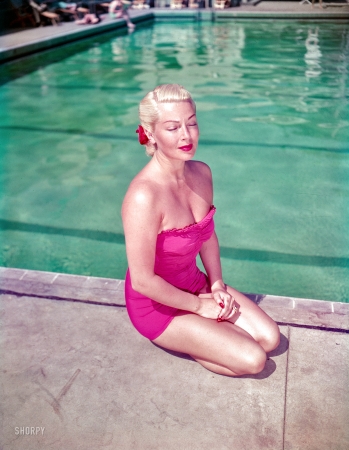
168,220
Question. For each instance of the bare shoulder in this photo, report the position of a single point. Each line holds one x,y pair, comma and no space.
201,180
141,195
200,168
201,173
141,220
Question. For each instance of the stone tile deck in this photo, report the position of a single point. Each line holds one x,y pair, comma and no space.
73,364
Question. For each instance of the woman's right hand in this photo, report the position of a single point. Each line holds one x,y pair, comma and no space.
208,307
211,309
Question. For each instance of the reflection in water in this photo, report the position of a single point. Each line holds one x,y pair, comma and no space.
201,56
44,80
117,50
313,54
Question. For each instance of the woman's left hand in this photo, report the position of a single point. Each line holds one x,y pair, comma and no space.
226,302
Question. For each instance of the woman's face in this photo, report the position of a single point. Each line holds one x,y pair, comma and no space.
176,133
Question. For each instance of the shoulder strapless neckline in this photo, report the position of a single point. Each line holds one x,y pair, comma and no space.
201,222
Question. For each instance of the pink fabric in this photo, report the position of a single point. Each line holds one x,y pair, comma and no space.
175,262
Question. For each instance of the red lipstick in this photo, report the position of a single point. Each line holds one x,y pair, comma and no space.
186,148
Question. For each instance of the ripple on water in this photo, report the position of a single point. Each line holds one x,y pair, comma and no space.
271,118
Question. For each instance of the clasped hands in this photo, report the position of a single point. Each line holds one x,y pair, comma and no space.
222,305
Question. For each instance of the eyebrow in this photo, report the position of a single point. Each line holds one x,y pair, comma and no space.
177,121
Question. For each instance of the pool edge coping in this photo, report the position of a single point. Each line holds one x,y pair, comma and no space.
64,35
321,314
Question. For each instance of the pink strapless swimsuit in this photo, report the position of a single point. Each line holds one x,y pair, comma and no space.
175,262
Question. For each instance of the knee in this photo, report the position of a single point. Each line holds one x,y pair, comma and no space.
271,338
255,362
251,362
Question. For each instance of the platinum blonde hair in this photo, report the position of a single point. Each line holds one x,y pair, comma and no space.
149,110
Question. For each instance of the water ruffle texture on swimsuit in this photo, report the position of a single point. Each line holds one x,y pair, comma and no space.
175,262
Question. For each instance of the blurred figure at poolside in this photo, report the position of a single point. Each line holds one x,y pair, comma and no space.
89,18
59,7
64,6
89,11
119,9
313,3
70,9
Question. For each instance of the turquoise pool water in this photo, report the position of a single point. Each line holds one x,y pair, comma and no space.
272,102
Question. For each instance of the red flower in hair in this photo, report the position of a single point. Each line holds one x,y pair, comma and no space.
142,137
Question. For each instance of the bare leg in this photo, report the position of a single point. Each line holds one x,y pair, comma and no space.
128,21
220,347
256,322
224,348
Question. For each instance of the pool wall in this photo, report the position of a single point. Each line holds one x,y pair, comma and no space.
315,314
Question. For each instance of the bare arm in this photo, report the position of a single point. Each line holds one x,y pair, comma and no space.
211,260
210,257
209,252
141,219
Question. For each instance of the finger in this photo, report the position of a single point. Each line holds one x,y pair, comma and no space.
222,317
226,308
230,304
224,295
221,313
225,314
233,313
219,299
229,310
227,302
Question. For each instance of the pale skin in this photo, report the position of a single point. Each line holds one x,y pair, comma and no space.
173,191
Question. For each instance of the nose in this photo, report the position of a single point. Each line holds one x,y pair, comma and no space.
185,133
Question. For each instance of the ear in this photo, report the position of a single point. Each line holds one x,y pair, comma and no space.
150,136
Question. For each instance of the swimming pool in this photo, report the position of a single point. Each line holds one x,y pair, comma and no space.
272,102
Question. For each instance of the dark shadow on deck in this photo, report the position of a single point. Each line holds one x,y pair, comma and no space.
241,254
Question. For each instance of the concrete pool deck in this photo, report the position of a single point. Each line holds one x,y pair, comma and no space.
76,375
25,42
